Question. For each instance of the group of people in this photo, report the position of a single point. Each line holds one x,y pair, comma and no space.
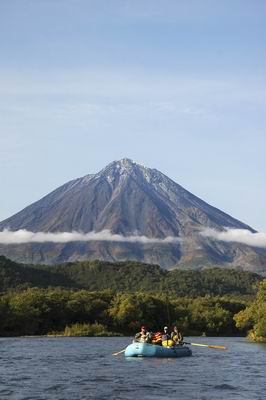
165,338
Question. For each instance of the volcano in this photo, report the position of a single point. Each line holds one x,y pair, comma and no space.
127,198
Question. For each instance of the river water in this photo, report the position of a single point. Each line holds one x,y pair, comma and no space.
84,368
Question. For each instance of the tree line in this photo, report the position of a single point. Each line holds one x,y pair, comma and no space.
100,298
129,277
36,311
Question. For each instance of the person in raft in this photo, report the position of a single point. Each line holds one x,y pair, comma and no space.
143,336
166,335
166,338
176,336
157,338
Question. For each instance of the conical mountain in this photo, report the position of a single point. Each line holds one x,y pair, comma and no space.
128,198
124,197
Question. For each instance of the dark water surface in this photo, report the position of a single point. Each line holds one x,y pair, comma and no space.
84,368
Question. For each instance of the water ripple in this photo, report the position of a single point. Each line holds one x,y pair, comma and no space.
84,369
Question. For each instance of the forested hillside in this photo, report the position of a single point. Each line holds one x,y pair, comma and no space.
100,298
127,277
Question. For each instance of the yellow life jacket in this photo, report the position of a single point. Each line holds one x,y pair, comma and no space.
168,343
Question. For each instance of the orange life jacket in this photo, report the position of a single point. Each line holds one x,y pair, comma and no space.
156,337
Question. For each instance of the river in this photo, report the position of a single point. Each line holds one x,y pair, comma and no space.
84,368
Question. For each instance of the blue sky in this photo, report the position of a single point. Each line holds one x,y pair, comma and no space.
175,85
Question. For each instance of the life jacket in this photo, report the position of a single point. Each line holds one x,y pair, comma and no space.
168,343
156,338
177,337
143,337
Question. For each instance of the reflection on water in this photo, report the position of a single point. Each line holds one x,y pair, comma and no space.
84,368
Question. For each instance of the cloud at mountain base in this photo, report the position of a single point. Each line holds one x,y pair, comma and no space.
244,236
23,236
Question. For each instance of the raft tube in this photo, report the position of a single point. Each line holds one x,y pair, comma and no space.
137,349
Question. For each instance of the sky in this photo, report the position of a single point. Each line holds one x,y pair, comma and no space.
176,85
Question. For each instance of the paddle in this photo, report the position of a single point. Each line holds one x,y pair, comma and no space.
207,345
119,352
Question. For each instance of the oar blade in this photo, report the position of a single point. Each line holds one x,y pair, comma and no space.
209,346
119,352
218,347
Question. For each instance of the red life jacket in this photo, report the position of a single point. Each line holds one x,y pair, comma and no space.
156,337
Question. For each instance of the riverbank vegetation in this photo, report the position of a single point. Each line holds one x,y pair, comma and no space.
85,329
36,311
99,298
253,318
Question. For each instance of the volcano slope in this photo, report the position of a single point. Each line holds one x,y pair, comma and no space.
129,199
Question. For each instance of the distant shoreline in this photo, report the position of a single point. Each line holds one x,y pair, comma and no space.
113,336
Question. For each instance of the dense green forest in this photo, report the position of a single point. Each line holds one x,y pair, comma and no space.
100,298
128,277
37,311
253,318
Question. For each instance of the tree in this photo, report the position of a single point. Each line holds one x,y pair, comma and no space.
254,316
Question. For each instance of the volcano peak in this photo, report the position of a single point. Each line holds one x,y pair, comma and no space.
127,198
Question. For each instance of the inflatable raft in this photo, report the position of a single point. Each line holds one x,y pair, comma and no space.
150,350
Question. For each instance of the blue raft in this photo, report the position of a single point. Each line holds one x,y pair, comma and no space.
137,349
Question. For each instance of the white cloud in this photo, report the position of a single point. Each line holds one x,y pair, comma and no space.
24,236
244,236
